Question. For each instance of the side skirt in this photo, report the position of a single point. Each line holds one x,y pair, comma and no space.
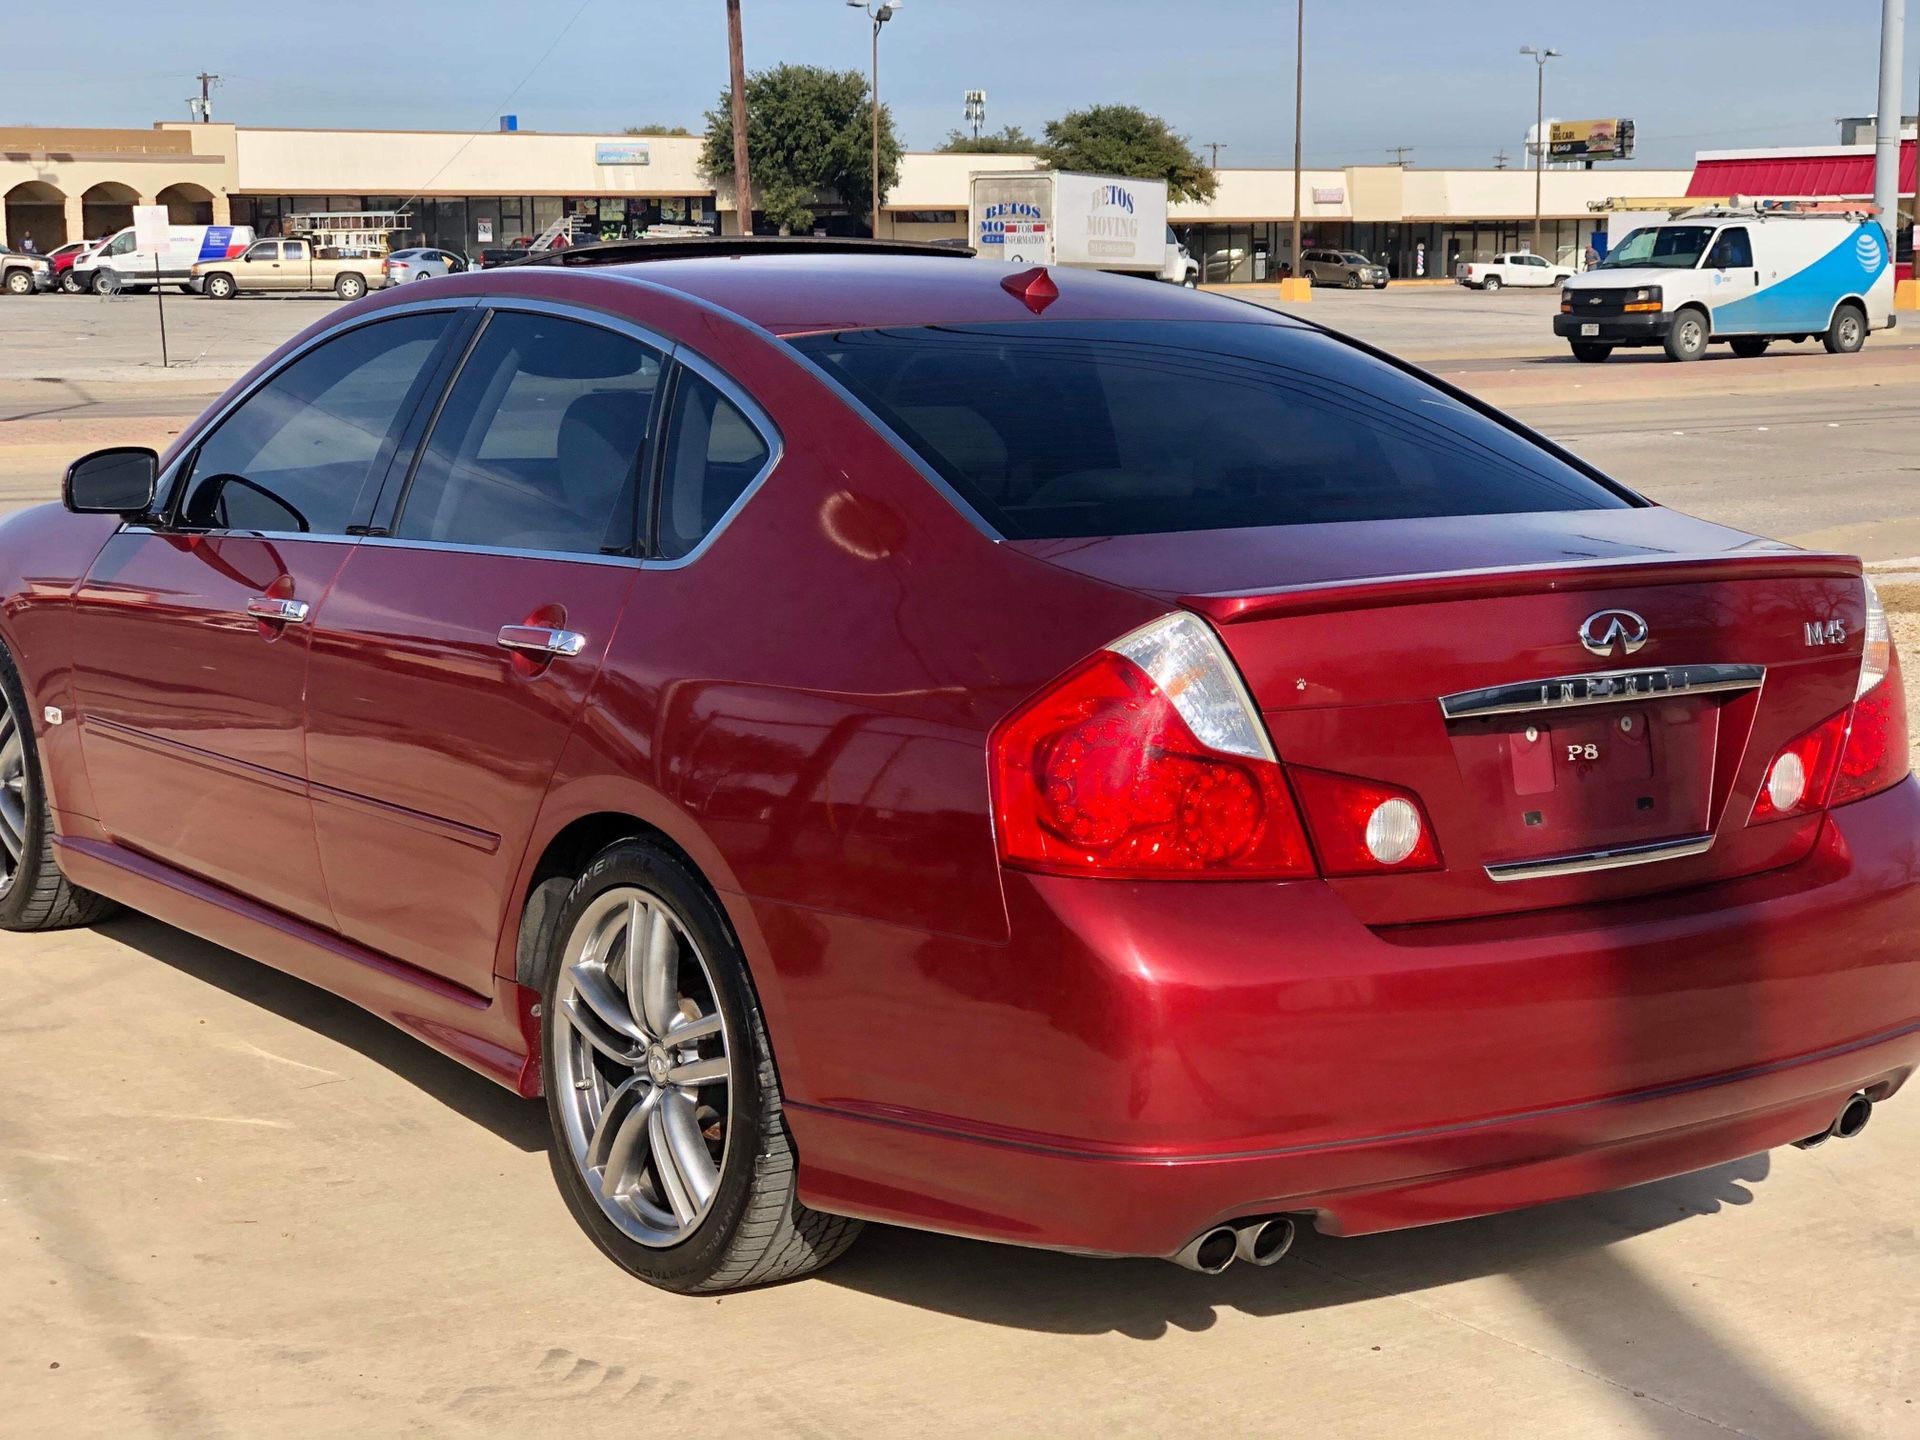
498,1036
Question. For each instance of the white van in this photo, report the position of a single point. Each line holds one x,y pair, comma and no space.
121,265
1745,275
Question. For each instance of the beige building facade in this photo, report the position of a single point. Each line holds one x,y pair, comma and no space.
470,191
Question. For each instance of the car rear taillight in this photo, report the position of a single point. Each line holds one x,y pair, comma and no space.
1146,761
1856,753
1876,753
1364,827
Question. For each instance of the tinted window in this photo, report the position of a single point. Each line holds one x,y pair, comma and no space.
298,453
296,250
713,454
1124,428
265,250
538,446
1732,251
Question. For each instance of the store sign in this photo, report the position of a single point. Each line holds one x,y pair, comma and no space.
1590,140
1329,195
623,152
483,231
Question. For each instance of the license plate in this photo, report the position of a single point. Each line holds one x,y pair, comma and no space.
1589,329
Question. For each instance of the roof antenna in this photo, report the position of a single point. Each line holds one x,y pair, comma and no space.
1035,288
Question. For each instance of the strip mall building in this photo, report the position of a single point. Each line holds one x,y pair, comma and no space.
468,191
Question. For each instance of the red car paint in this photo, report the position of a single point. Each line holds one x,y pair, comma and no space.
806,711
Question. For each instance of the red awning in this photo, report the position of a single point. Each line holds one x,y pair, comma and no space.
1779,176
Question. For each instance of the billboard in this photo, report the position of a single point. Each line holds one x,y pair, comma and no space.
1590,140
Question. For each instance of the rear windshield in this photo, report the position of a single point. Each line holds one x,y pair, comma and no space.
1067,429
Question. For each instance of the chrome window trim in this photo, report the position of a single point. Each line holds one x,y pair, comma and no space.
1617,857
210,421
1601,687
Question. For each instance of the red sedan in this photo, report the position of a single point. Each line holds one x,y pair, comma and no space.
1039,756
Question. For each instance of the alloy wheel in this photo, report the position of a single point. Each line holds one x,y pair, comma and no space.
13,797
642,1066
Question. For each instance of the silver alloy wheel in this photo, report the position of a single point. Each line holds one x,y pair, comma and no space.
13,797
642,1066
1850,330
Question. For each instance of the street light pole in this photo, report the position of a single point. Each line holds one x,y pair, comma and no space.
879,13
737,78
1299,106
1540,58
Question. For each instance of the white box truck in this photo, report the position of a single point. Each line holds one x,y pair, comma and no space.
1095,222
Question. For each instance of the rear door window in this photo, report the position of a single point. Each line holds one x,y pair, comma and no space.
538,446
1107,428
713,453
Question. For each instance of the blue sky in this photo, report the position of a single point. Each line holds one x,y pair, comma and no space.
1442,78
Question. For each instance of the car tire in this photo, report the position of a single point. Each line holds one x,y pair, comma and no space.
675,1215
1492,282
34,895
221,287
105,282
1589,353
1687,340
70,284
1848,332
1351,282
1750,347
1190,281
19,282
350,286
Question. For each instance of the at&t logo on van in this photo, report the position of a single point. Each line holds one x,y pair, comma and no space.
1867,248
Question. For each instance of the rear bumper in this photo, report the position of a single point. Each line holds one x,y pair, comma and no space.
1640,329
1126,1091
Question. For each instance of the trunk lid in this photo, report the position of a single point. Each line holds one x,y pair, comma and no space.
1446,656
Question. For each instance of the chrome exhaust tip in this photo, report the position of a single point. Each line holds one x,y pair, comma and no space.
1209,1252
1853,1117
1262,1242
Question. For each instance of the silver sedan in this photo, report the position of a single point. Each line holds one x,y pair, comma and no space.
421,263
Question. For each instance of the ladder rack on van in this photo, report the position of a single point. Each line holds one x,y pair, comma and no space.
1744,206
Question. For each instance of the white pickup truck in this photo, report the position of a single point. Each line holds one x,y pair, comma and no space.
1517,267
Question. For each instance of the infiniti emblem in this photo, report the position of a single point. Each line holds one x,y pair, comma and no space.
1601,631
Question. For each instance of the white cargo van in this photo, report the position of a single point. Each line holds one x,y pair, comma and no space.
119,264
1094,222
1748,275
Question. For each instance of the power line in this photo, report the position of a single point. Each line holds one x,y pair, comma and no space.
1216,146
1399,154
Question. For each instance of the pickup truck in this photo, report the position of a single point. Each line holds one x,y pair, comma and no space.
1516,268
268,265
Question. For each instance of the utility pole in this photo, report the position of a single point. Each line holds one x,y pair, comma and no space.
1299,108
879,12
1399,154
1214,147
1540,58
737,82
207,82
1886,128
1500,161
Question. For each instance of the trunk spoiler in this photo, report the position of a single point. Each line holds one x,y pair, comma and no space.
1553,577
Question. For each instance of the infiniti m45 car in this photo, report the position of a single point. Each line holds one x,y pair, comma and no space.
872,735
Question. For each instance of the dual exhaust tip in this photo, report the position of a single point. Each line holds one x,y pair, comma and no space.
1851,1120
1258,1242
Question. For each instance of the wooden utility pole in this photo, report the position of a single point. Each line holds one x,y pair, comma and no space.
207,82
737,83
1299,107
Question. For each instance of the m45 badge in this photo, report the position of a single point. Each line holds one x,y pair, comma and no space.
1826,632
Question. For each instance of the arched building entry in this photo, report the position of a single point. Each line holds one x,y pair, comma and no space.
187,204
108,207
38,209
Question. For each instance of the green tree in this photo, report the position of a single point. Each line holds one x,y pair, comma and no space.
808,129
1126,140
657,130
1011,140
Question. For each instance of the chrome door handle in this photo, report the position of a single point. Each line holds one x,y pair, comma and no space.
281,612
539,640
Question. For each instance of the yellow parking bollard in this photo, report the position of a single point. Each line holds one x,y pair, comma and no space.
1296,287
1906,295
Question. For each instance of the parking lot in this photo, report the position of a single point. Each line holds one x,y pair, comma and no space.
232,1204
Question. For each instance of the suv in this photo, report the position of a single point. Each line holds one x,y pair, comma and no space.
1346,268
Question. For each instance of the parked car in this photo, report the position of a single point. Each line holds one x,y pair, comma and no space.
1745,276
282,265
1342,267
623,686
24,274
1518,267
500,255
405,266
118,263
61,260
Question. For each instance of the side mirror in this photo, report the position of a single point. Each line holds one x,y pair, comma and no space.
119,481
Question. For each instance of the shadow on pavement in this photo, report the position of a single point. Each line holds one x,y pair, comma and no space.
521,1123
